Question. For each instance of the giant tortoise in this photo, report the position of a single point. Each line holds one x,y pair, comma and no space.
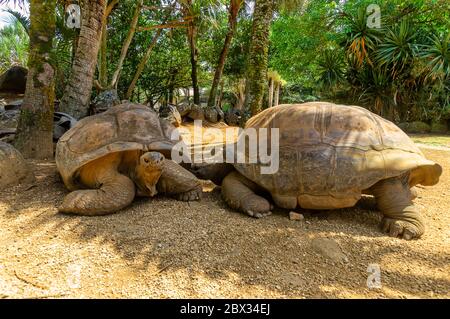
328,156
107,159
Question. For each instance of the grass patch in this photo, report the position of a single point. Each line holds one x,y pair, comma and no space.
431,139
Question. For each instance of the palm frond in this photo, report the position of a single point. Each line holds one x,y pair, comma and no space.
23,19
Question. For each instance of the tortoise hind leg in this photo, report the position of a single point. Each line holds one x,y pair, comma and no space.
239,193
394,199
116,192
179,182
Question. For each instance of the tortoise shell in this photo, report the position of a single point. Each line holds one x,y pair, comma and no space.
124,127
329,154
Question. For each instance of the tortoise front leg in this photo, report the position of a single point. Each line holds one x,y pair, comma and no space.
117,192
394,199
239,193
179,182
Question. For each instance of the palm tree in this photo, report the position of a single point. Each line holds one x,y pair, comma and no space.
35,127
259,54
77,93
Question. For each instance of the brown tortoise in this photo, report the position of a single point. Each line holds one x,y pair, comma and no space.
329,155
107,159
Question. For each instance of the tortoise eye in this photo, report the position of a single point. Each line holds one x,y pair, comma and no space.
146,160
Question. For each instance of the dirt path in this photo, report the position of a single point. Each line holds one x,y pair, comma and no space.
161,248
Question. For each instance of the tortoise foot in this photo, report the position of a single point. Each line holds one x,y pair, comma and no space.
400,228
256,206
190,196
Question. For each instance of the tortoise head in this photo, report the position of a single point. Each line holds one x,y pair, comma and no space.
148,172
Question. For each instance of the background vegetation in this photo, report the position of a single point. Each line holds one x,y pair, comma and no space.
273,51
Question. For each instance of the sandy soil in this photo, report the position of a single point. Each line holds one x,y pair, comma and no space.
161,248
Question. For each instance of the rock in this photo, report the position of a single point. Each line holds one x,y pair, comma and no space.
415,127
328,248
184,109
62,122
13,168
9,120
296,216
233,117
439,127
14,80
104,101
211,115
197,113
13,106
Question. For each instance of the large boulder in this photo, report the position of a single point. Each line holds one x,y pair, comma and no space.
211,115
14,80
214,115
184,109
13,168
9,119
233,117
197,113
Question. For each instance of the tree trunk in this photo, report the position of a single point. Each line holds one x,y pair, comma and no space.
277,94
142,64
192,37
235,6
220,97
126,45
271,89
34,138
259,54
103,70
77,94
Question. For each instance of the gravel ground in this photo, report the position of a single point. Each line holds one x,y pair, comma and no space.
161,248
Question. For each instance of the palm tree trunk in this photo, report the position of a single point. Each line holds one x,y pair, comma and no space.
77,94
277,94
259,55
34,136
271,90
235,6
103,70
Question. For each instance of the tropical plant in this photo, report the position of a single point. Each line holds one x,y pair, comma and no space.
437,56
361,40
398,49
331,68
13,46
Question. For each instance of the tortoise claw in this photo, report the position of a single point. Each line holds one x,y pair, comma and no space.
190,196
400,228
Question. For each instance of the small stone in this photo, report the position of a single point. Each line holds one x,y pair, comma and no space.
296,216
329,248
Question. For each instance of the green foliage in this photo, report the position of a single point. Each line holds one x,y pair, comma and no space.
13,46
398,48
322,48
331,68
